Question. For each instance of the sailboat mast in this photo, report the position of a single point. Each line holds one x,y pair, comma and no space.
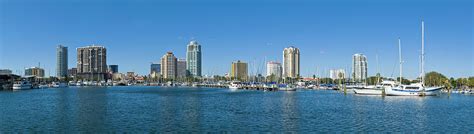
400,58
422,52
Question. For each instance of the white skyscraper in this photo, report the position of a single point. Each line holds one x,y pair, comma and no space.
193,59
291,62
359,67
274,68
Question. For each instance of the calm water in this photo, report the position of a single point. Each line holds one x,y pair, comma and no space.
153,109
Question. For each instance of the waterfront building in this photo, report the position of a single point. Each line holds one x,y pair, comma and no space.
359,67
113,69
130,75
291,62
61,61
193,59
239,70
5,71
181,68
155,70
169,66
337,74
34,71
92,63
274,68
72,72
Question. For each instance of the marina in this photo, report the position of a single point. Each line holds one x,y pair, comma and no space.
185,109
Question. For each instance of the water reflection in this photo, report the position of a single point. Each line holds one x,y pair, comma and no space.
290,116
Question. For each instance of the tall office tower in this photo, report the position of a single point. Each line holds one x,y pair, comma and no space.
61,61
169,66
291,62
359,67
274,68
92,63
239,70
193,59
181,68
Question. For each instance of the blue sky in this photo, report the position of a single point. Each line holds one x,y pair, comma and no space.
327,33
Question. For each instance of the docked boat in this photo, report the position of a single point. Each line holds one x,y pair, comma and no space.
58,85
285,87
418,89
22,85
234,85
374,90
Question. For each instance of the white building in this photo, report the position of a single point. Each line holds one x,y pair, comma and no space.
274,68
291,62
337,74
359,67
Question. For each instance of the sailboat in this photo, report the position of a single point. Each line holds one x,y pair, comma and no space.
417,89
374,89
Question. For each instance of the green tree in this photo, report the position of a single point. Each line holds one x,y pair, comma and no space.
435,79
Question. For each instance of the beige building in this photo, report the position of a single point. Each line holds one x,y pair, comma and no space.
239,71
291,62
34,71
169,66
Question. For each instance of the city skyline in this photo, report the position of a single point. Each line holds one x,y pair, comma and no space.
325,42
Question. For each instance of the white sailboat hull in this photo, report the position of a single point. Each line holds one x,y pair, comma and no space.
389,91
368,91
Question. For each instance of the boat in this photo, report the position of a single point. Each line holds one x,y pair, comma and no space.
58,85
374,90
417,89
22,85
285,87
234,85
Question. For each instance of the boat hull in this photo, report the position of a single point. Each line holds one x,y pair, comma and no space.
389,91
368,91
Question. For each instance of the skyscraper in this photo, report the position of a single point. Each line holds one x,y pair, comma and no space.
359,67
239,70
169,66
181,68
193,59
61,61
291,62
155,70
92,63
274,68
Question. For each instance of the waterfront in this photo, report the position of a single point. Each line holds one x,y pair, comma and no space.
161,109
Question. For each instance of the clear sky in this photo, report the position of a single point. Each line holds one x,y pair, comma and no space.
328,33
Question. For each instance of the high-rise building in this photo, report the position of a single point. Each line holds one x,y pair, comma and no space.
92,63
239,70
61,61
72,72
34,71
359,67
181,68
291,62
337,74
193,59
274,68
113,69
155,70
5,71
169,66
